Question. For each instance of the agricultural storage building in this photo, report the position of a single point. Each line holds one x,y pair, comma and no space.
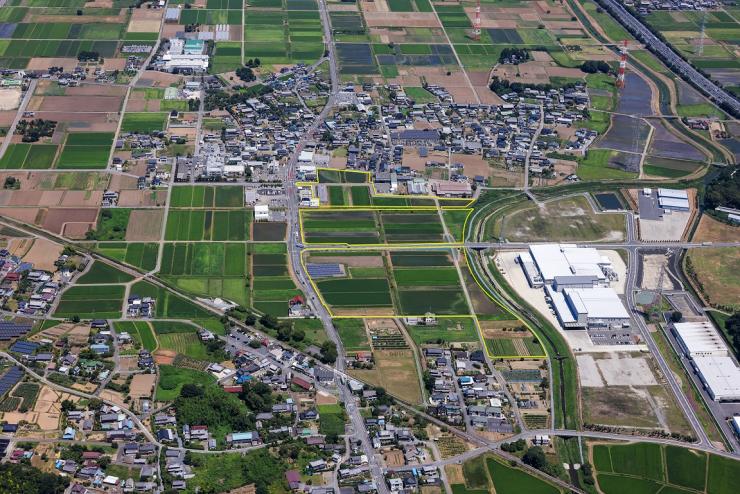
589,308
699,339
720,376
262,212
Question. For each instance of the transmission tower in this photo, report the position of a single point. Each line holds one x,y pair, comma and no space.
476,24
622,65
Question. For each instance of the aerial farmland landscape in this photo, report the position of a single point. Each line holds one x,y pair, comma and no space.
369,246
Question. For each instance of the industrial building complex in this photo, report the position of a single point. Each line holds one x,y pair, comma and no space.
577,285
709,356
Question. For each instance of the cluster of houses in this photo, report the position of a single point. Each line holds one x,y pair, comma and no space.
140,307
29,291
109,418
462,393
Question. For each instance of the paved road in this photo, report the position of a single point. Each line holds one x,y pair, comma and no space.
18,116
673,61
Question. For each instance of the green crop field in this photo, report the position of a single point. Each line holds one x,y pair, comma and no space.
331,419
112,224
194,224
648,468
90,302
144,122
512,479
272,288
137,254
28,156
460,330
85,151
167,304
141,331
187,344
204,196
204,259
104,274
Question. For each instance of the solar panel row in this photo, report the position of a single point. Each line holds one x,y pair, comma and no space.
322,270
10,379
24,347
10,330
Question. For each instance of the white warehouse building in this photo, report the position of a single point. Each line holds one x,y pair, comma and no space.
566,265
699,339
720,376
677,200
592,308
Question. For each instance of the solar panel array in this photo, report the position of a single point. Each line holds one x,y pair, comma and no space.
24,347
324,270
4,443
10,379
10,330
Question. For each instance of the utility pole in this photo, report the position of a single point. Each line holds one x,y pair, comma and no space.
622,65
476,23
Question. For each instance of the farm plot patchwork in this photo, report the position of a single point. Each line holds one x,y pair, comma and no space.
168,304
140,331
207,269
272,286
208,224
29,156
418,286
284,36
371,227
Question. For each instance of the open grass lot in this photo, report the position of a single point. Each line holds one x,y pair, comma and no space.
137,254
648,468
205,196
171,380
112,224
272,287
207,224
717,271
90,302
144,122
395,370
167,304
187,344
141,331
103,273
331,419
563,220
353,334
457,330
29,157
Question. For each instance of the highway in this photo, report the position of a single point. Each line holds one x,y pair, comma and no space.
672,60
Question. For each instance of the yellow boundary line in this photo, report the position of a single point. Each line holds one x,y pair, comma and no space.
385,247
372,209
446,316
374,192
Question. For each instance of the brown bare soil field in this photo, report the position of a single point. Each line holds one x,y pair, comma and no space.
171,30
325,399
553,25
164,357
81,103
394,458
19,246
529,72
463,94
342,7
32,181
144,225
711,230
96,90
136,104
353,261
94,122
553,71
78,198
487,96
136,198
56,218
76,230
112,63
398,372
26,215
145,20
43,253
472,164
152,78
142,385
368,312
114,396
188,132
6,118
455,474
68,64
401,19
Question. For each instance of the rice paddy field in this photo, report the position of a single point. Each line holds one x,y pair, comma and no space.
272,286
90,302
205,196
80,151
207,269
208,224
457,330
138,254
486,473
167,304
371,227
391,283
144,122
643,467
